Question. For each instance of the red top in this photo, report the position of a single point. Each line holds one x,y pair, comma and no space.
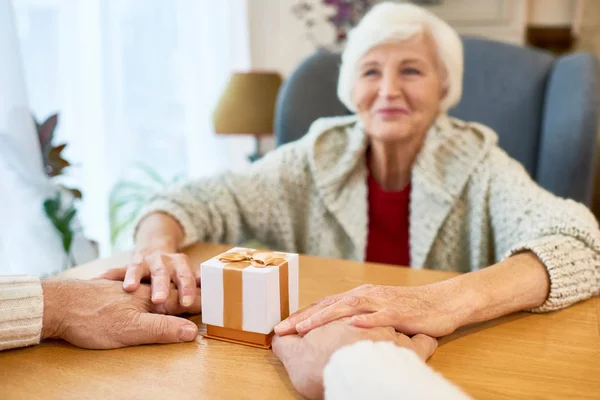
388,237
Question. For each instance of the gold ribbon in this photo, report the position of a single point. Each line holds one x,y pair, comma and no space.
236,262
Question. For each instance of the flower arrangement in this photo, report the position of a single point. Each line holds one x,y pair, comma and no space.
346,15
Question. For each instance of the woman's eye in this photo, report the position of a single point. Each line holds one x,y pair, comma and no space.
370,72
411,71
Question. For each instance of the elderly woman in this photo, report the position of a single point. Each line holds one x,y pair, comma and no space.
399,182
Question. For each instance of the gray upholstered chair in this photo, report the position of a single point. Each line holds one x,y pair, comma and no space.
545,109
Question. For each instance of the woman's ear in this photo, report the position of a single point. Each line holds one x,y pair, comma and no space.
444,92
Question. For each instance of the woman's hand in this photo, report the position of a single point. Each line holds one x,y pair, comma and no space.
517,283
305,357
157,240
161,265
435,310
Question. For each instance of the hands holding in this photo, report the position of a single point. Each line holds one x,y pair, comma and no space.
305,357
157,258
309,337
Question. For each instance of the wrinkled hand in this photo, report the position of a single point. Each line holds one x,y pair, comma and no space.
305,357
433,310
162,265
100,315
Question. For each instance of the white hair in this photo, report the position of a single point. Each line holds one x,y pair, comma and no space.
388,22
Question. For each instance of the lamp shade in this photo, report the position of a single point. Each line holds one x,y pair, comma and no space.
247,105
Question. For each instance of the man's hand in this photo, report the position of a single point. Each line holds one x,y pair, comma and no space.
305,357
100,315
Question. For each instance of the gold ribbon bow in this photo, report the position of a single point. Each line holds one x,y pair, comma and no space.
236,262
258,259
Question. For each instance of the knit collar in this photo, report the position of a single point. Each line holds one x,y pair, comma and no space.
451,151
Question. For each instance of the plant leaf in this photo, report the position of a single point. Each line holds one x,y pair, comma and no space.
67,240
115,208
69,216
119,228
150,173
48,207
51,207
55,162
46,130
127,198
74,192
61,219
131,186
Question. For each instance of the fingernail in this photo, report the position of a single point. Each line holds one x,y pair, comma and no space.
187,333
303,325
159,295
359,318
282,326
128,282
187,300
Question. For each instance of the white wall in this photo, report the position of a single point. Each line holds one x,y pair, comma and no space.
278,40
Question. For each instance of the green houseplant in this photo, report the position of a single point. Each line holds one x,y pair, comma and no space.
59,209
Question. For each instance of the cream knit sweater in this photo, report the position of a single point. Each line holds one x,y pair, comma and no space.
21,311
471,206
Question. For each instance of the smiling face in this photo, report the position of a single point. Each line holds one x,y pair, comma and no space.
398,89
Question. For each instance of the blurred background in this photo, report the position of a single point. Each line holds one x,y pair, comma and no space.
104,102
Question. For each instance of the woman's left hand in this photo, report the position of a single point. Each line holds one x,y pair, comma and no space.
435,310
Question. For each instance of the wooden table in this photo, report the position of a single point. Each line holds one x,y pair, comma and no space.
551,356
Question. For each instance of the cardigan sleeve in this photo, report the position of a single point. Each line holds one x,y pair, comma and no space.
21,311
562,233
233,207
382,370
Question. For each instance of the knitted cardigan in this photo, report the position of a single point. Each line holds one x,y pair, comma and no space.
471,206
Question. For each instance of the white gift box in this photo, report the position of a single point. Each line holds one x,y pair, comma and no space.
261,295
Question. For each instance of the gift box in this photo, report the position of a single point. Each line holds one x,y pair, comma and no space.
246,292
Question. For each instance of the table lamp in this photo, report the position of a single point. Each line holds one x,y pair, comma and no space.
247,106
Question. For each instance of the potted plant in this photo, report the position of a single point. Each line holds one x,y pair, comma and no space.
59,209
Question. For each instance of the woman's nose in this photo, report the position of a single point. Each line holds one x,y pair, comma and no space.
390,86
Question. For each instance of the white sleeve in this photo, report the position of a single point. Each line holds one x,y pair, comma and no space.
383,370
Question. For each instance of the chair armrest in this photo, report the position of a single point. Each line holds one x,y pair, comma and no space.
569,128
